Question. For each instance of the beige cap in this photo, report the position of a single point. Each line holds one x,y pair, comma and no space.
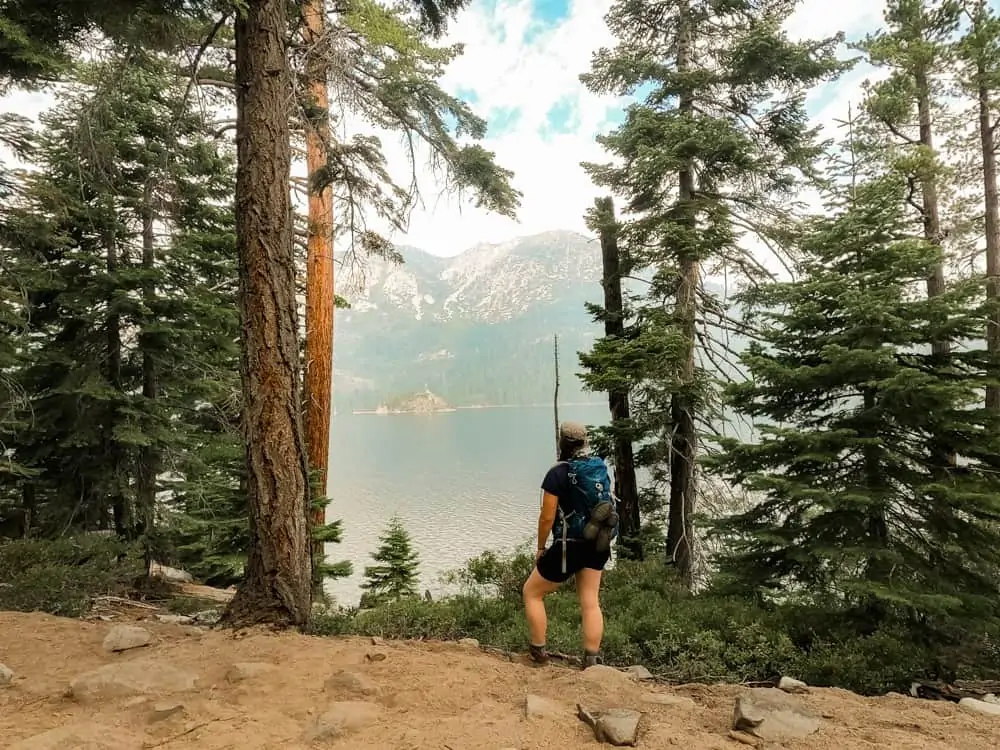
574,432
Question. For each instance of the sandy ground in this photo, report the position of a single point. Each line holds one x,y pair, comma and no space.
426,697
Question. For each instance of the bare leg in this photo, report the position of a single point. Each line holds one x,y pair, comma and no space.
535,590
588,588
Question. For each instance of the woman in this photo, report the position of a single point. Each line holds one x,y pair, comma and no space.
555,565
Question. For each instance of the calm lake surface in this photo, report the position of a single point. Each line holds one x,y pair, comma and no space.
461,482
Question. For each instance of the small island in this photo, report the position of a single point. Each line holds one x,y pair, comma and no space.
416,403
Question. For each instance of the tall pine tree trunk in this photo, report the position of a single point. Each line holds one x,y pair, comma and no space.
929,196
149,455
120,511
277,587
986,135
626,487
944,455
319,264
684,439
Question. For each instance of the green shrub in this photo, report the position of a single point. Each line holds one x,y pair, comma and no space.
679,637
63,576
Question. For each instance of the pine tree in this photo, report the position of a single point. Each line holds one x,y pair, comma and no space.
277,588
393,80
850,399
396,575
606,372
15,518
915,48
978,53
37,36
123,242
711,155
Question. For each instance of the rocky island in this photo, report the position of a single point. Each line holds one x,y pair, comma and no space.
416,403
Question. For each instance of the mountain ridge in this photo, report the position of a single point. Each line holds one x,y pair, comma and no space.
476,327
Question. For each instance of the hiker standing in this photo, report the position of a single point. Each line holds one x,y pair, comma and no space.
579,511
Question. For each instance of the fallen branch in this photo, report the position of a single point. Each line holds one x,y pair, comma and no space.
126,602
191,730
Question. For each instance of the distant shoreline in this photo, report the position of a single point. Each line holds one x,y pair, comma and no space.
473,407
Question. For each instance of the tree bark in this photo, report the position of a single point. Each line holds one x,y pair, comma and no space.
992,212
277,588
555,392
943,454
149,455
626,486
929,198
684,440
120,510
319,263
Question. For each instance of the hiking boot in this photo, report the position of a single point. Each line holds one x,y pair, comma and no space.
601,517
592,660
539,656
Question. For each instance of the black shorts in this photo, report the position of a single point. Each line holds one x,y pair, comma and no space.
579,555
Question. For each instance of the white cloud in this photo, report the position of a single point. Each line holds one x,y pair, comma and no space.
511,64
514,64
508,68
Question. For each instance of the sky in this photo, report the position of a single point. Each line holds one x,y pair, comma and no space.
520,71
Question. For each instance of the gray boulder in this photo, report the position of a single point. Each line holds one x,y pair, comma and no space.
126,637
773,716
129,678
616,726
980,707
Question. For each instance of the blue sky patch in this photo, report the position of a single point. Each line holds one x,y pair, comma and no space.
502,120
552,12
546,15
563,116
467,95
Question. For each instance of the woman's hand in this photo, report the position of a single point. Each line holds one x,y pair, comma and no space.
538,553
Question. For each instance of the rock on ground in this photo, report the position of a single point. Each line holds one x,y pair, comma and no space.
616,726
166,573
343,718
6,675
246,670
130,678
164,710
469,643
606,675
791,685
346,684
175,619
125,637
773,716
981,707
639,672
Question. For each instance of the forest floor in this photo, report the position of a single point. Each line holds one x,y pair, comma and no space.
191,687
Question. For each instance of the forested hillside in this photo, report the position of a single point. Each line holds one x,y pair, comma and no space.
168,279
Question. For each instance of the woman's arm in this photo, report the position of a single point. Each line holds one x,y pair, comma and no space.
546,518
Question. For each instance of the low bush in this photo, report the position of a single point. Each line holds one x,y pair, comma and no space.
63,576
679,637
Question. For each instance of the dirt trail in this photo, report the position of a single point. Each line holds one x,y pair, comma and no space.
419,696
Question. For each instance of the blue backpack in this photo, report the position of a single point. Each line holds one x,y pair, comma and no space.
591,487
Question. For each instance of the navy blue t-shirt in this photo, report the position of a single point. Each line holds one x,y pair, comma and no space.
556,482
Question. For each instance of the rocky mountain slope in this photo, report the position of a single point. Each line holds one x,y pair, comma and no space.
179,686
476,328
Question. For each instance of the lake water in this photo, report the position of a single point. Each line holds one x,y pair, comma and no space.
461,482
